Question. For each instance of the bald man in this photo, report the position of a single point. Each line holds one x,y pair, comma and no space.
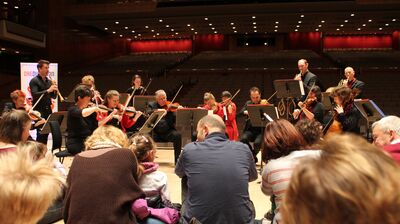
352,82
218,171
306,76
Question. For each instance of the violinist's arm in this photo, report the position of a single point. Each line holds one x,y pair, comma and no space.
104,121
88,111
308,113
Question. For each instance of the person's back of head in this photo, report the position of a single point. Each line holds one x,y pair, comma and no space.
352,182
142,146
209,124
106,136
280,139
36,150
311,130
27,188
14,126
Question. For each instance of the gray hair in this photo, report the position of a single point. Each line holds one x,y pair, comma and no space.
160,92
213,121
388,123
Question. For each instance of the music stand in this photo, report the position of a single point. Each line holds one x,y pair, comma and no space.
56,116
71,96
140,102
186,121
260,115
152,121
288,89
370,113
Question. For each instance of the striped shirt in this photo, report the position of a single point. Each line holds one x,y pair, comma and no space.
276,175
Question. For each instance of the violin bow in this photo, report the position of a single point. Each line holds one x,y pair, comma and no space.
145,89
176,94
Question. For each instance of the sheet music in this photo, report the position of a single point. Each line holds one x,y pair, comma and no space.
302,88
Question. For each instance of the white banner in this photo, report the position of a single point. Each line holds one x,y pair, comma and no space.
29,71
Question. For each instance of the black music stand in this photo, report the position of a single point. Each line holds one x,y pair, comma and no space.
56,116
186,122
260,115
141,102
152,121
370,113
288,90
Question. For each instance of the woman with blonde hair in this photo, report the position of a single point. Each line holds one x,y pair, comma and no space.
352,182
103,180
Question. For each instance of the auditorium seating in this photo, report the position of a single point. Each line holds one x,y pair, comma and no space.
367,59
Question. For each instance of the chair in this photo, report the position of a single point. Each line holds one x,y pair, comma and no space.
57,141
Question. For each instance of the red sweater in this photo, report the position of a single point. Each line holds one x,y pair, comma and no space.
394,151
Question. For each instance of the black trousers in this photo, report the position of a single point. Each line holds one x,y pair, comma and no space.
255,137
171,136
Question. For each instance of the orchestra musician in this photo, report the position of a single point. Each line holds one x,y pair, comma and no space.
345,111
228,115
136,88
165,130
250,133
308,78
18,98
352,82
81,120
89,81
312,108
113,113
42,86
210,103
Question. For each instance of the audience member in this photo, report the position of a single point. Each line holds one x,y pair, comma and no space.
152,181
386,134
218,172
352,182
14,128
282,151
103,180
311,130
27,188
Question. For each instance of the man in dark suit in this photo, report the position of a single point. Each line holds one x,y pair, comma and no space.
41,85
352,82
306,76
165,130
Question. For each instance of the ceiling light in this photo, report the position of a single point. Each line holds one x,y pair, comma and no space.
139,35
16,7
247,44
126,28
5,3
233,27
133,31
3,49
254,23
341,25
322,21
17,52
215,31
116,22
370,20
277,22
191,28
387,24
255,31
205,18
276,26
346,21
296,30
232,24
393,20
299,21
188,24
176,33
337,29
113,32
380,28
275,30
253,17
352,14
105,28
146,27
364,24
358,28
265,44
120,35
160,20
152,31
317,29
157,34
172,30
297,26
210,24
235,31
212,28
135,37
154,35
319,25
255,27
195,32
167,25
302,16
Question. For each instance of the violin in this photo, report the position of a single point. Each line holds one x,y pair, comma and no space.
169,106
129,111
